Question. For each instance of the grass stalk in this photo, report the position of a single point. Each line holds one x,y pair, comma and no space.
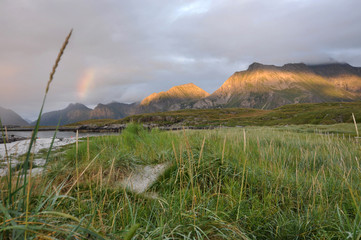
77,167
242,186
354,121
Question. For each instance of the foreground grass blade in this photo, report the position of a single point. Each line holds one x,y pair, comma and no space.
36,128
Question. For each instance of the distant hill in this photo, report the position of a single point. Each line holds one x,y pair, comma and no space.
112,110
9,117
79,112
72,113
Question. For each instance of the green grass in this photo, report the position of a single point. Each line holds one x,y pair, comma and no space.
97,122
294,114
291,182
306,113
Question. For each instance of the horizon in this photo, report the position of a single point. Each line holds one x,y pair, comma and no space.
124,51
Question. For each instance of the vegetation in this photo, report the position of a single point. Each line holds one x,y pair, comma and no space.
233,183
28,206
96,122
295,114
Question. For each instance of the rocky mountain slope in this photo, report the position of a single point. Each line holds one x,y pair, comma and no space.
173,99
72,113
79,112
176,98
269,86
112,110
9,117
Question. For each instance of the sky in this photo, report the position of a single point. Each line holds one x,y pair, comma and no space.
125,50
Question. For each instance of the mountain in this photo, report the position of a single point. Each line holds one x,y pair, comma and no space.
176,98
342,75
72,113
9,117
269,86
79,112
112,110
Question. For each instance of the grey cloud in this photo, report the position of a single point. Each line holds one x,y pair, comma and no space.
139,47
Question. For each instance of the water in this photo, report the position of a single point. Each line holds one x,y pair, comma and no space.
63,134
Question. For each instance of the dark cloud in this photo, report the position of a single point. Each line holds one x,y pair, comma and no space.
129,49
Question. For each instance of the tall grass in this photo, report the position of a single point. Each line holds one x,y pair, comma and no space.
267,183
28,206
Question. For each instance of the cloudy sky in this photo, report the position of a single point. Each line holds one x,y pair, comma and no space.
124,50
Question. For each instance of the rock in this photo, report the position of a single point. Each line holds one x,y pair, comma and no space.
11,138
143,177
39,162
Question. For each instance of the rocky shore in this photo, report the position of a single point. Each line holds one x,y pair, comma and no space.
21,147
93,128
11,138
120,127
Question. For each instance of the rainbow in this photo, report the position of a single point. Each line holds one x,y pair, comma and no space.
85,83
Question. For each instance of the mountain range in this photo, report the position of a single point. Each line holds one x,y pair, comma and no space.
260,86
175,98
269,86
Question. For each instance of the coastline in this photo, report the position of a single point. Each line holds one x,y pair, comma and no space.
109,128
21,147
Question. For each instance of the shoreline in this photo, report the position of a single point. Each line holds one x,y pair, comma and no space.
11,138
12,151
110,128
24,129
21,147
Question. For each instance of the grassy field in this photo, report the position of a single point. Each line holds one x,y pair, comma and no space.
292,182
295,114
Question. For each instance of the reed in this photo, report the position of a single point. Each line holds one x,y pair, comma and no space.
29,208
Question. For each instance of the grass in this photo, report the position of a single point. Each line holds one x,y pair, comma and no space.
294,114
261,183
97,122
28,206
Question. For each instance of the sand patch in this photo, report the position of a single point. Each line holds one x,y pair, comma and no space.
21,147
18,148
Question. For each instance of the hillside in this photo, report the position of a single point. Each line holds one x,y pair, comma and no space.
174,99
9,117
112,110
320,113
72,113
79,112
268,86
294,114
